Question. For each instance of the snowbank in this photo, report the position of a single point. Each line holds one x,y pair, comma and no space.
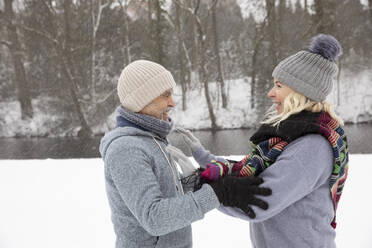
42,124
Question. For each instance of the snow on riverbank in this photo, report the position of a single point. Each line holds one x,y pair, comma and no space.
62,203
355,105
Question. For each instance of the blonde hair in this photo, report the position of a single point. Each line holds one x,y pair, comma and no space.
296,102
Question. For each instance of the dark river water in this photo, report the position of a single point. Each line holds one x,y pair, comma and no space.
224,142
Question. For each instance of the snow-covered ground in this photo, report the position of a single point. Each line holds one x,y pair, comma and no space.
62,203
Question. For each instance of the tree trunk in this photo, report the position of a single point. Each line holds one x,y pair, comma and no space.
159,53
220,80
244,63
370,10
324,17
125,32
280,23
149,41
93,53
181,57
127,57
203,72
270,8
96,20
253,76
194,43
263,82
66,61
319,22
254,68
22,84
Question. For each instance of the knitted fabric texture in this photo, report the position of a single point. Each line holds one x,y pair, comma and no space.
141,82
307,73
214,170
146,122
311,72
268,143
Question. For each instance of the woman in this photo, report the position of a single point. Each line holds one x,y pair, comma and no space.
300,151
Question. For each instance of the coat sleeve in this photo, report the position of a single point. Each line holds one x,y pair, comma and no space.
203,157
303,166
131,171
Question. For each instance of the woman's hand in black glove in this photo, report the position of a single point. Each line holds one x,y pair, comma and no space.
233,191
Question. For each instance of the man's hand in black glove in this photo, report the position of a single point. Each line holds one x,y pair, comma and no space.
233,191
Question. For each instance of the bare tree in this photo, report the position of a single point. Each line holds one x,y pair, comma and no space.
66,61
96,11
280,23
180,37
125,31
272,38
202,45
181,56
194,39
60,38
149,41
158,32
216,47
257,43
155,31
323,19
319,16
271,31
15,49
324,23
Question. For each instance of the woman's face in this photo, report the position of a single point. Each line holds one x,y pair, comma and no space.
278,93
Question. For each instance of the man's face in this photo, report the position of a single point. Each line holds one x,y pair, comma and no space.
160,106
278,93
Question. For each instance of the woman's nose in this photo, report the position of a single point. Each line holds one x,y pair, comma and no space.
271,93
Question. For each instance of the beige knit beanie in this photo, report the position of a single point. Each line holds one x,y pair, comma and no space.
141,82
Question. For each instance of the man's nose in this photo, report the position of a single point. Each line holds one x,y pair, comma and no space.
171,102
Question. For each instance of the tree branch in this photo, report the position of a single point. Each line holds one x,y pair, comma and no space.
49,7
104,99
40,33
181,5
173,26
97,19
214,2
8,44
125,6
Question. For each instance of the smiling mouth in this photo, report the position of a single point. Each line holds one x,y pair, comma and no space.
165,113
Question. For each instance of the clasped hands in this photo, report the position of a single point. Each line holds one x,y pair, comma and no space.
231,190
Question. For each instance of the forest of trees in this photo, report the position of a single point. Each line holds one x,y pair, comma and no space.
72,51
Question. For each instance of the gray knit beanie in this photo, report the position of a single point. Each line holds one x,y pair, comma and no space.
141,82
311,72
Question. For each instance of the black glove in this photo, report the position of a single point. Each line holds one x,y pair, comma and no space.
233,191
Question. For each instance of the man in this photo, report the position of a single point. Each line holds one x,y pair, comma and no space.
148,204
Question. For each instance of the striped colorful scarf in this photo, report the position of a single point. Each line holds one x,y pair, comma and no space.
268,143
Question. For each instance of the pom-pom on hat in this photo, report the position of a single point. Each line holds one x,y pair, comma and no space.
311,72
141,82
